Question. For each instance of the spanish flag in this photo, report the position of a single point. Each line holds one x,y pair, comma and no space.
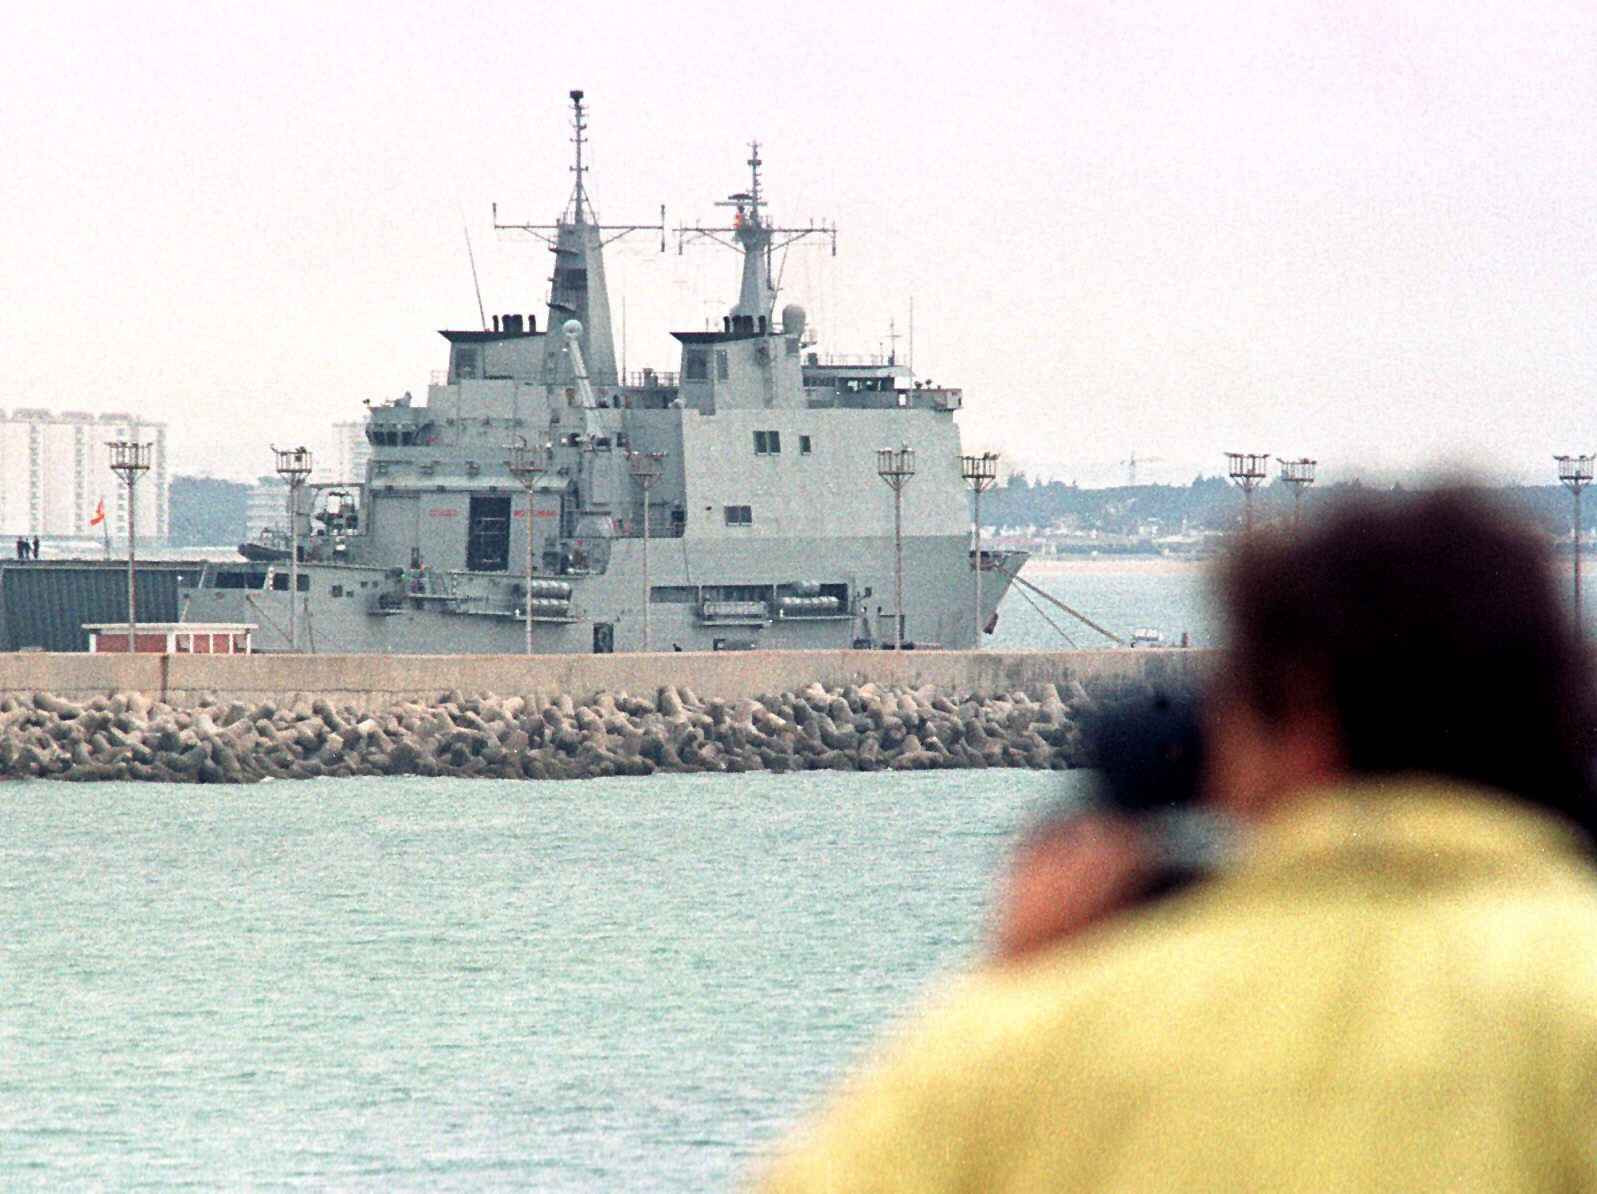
98,516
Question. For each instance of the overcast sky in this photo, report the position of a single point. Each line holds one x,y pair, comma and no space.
1358,231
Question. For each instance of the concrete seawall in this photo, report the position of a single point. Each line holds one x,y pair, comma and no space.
372,681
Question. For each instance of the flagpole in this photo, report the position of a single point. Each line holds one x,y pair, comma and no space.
105,525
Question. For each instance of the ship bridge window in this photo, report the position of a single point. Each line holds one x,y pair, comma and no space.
854,385
722,369
738,516
392,435
468,362
767,443
280,583
804,445
696,366
241,580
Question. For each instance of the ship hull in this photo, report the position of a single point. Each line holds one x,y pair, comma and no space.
366,609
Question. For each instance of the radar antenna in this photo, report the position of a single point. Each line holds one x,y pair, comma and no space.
579,210
579,205
754,238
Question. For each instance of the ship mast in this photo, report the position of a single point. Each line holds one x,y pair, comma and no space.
579,206
756,240
577,288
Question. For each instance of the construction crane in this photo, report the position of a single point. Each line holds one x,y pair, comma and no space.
1131,463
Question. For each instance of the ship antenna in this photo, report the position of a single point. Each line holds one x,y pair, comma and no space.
472,257
754,182
756,240
580,210
579,127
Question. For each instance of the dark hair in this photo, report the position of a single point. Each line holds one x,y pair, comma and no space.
1430,626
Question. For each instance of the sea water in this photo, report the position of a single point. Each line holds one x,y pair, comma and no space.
627,984
435,984
1120,595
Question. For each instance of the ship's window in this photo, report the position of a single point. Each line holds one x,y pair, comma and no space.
280,583
695,366
575,279
336,591
721,368
767,443
738,516
467,362
804,445
241,580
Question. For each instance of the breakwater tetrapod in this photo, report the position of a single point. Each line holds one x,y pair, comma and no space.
237,719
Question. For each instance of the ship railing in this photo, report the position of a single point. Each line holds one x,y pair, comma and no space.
670,527
432,586
847,360
652,379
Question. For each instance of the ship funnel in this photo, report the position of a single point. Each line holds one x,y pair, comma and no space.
793,320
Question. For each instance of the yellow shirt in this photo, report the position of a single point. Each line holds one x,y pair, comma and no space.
1395,989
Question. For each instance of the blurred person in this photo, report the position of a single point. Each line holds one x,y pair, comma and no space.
1393,983
1138,832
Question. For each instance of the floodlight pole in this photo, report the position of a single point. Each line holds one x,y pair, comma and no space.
128,461
979,472
645,468
1300,475
1576,473
293,465
896,466
527,465
1247,470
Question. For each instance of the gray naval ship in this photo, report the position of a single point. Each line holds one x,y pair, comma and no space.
753,468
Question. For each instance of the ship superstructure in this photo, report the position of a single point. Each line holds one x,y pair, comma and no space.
768,525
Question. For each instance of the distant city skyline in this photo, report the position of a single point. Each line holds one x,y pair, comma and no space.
1355,231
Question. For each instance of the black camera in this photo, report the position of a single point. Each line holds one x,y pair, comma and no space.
1146,750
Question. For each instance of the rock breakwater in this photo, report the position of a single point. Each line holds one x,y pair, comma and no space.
855,728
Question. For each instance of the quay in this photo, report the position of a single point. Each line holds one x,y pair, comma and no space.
374,680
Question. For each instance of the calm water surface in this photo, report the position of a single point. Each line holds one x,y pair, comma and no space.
1168,595
1120,595
609,985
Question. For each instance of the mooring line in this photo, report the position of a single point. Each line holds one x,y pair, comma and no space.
1043,614
1074,613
